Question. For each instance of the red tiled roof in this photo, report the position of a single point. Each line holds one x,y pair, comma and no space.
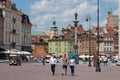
110,31
68,36
80,30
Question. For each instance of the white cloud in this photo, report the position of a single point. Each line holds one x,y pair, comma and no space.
44,11
109,0
116,12
103,23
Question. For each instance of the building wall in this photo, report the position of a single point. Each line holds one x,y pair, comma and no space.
12,21
88,44
39,50
119,31
11,26
26,35
39,44
101,48
110,27
60,47
1,30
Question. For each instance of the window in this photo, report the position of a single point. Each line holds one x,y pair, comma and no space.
59,44
64,49
71,44
56,43
80,46
110,44
105,49
105,43
50,49
110,49
14,20
56,49
59,49
64,43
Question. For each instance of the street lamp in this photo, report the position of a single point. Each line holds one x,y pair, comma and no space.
89,22
35,42
75,33
98,69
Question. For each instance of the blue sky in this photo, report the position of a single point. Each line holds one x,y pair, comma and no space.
42,12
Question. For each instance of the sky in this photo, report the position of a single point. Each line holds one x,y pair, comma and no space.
42,12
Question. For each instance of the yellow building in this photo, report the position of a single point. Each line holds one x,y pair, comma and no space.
87,42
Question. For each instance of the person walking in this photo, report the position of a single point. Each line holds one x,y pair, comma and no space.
53,62
43,60
18,61
105,60
64,64
72,65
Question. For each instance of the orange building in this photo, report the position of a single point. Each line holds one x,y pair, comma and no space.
87,42
39,43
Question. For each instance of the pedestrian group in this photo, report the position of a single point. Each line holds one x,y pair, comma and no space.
65,62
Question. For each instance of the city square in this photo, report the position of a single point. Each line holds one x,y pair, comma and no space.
47,35
37,71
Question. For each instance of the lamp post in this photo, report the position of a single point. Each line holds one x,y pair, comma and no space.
89,22
35,42
75,33
98,69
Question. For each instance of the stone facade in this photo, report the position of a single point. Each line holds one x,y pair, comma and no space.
12,25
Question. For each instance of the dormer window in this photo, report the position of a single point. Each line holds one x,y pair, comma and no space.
41,40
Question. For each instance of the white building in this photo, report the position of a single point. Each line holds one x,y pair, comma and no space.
15,27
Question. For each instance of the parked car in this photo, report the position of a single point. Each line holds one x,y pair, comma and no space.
118,63
14,60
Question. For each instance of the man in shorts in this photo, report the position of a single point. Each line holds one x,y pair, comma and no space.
64,64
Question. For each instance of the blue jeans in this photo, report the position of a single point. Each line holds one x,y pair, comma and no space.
72,68
53,68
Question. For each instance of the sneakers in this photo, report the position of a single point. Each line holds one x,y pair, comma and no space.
53,73
63,74
72,74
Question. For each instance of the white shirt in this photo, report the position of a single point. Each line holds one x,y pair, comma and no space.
53,60
72,62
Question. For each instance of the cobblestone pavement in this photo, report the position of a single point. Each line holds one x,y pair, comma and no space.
37,71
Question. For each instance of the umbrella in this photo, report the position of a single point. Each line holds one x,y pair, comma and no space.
82,56
12,51
24,52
